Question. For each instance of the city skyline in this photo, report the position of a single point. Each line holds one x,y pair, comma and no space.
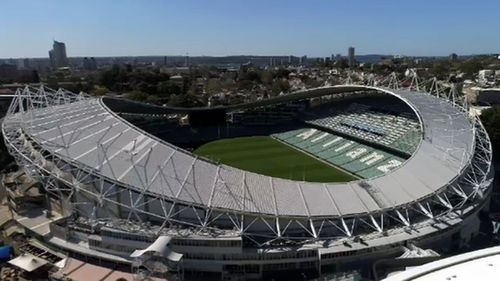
226,28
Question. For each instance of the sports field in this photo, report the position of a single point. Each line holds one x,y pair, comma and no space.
267,156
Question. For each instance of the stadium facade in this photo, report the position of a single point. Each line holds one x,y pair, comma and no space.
117,189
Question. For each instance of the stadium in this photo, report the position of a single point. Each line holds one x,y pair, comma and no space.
320,180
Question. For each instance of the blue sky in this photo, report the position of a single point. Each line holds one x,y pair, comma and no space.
258,27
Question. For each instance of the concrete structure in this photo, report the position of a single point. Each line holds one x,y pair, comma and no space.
78,270
484,96
486,77
478,265
118,188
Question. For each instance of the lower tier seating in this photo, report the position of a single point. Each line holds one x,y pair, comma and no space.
354,157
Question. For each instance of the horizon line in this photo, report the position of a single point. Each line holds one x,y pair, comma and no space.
247,55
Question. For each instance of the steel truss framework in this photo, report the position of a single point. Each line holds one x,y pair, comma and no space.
76,185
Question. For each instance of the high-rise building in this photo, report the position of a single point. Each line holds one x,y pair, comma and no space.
350,56
58,57
20,64
26,63
303,60
274,61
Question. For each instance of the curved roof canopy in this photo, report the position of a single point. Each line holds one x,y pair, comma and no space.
88,133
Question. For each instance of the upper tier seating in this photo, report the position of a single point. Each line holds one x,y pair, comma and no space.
400,131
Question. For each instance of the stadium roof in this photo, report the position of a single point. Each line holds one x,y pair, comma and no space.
481,265
88,133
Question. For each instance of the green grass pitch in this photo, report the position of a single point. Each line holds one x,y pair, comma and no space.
267,156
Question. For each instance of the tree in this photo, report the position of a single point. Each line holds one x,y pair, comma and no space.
146,88
280,85
99,90
35,78
155,100
282,73
342,63
440,69
248,74
491,120
311,83
184,100
471,67
167,88
213,86
137,96
267,77
110,78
